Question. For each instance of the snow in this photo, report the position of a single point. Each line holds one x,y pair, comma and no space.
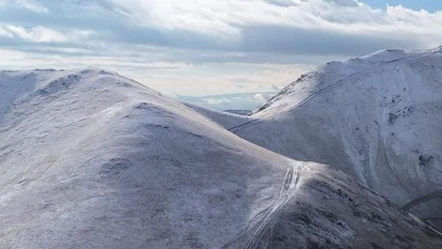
24,82
91,159
101,159
377,118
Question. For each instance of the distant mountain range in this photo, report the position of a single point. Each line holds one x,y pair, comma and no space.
223,102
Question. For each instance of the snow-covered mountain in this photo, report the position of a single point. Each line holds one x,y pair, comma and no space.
90,159
377,118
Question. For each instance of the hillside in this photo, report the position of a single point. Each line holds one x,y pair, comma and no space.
378,118
90,159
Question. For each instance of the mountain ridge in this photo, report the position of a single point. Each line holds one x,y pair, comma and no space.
380,123
90,159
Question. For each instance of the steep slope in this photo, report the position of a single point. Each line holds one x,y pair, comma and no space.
90,159
327,211
378,118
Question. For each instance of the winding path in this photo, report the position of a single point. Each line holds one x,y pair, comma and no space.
415,202
250,237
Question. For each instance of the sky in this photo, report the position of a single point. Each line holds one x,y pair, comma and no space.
428,5
209,47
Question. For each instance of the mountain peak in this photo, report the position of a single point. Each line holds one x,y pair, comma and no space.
371,117
334,73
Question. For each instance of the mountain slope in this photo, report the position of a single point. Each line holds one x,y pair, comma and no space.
90,159
378,118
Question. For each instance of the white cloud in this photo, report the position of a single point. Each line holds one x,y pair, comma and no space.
32,5
262,97
348,3
36,34
5,33
281,2
214,101
207,47
41,34
230,17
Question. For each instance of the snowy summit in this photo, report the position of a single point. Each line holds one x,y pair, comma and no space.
91,159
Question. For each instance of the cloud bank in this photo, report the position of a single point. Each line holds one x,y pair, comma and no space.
161,42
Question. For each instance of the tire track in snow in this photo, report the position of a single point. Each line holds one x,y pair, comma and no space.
251,236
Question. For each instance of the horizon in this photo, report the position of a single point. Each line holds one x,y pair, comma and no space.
197,48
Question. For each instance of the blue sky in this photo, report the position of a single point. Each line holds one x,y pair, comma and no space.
430,5
209,47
